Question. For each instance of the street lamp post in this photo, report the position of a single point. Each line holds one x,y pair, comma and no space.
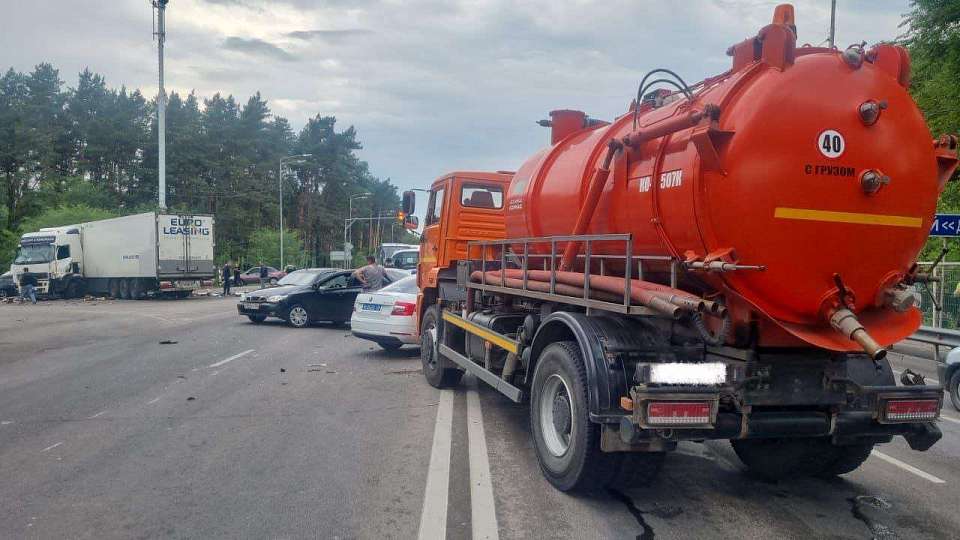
280,181
347,223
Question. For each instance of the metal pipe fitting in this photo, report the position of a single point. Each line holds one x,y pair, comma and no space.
845,321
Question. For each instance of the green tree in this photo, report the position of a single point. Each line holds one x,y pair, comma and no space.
264,245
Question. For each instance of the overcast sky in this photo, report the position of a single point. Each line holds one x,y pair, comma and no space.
431,86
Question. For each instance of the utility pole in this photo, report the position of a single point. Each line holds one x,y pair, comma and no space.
161,34
833,23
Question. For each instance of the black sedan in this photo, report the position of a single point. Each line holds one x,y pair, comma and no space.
306,296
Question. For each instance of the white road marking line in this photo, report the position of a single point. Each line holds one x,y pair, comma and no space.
433,520
231,359
6,422
483,510
152,401
907,467
52,446
98,414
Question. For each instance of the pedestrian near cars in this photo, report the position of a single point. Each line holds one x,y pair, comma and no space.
263,275
236,276
28,286
372,276
227,276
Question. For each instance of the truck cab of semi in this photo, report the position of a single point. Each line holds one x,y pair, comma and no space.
55,258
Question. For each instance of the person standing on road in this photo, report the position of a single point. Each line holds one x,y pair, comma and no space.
28,286
372,276
236,276
227,275
263,276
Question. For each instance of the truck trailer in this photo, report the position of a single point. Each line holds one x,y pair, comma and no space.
128,257
727,260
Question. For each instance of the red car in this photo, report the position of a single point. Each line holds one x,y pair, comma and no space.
253,275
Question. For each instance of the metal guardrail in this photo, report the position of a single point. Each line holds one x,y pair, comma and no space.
938,337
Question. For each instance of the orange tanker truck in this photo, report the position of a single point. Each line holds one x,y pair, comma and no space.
727,260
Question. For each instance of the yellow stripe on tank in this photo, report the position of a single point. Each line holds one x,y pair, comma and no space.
848,217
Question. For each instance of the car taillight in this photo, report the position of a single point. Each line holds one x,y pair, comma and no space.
678,413
909,410
404,309
166,285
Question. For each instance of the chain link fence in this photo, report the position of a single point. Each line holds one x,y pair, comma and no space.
940,301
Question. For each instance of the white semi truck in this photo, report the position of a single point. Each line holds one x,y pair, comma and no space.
128,257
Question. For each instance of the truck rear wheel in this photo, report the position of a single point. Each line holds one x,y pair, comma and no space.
566,441
114,288
125,289
955,389
73,289
776,459
434,366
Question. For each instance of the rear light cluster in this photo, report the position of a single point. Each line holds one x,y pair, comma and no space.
678,413
404,309
911,410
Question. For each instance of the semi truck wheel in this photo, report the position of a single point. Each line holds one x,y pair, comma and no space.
125,289
434,367
137,290
846,459
566,441
73,289
114,288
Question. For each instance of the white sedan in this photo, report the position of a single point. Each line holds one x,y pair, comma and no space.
388,316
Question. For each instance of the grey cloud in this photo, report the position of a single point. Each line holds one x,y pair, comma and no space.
328,35
257,47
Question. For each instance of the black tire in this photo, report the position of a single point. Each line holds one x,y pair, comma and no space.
566,441
846,459
391,346
778,459
257,319
298,316
114,288
435,369
73,289
3,293
955,389
137,291
124,289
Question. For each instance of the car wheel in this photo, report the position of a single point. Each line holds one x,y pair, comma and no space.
298,317
257,319
955,389
273,281
434,366
390,346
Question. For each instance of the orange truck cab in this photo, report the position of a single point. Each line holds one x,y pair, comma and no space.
462,206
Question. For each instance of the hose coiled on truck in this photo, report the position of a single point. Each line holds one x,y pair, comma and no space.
709,338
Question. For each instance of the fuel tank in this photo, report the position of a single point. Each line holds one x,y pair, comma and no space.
813,163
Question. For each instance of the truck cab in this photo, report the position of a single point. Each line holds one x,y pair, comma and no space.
54,256
462,206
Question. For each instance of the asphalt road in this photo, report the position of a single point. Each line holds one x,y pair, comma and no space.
237,430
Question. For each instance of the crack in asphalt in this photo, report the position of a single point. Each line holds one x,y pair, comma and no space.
647,533
878,531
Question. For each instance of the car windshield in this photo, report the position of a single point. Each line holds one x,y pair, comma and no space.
300,277
34,254
407,285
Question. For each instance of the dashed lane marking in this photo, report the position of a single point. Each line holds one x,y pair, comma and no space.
231,359
909,468
949,418
52,446
483,509
433,519
152,401
96,415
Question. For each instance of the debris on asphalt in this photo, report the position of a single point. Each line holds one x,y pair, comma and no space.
282,370
191,398
181,376
168,342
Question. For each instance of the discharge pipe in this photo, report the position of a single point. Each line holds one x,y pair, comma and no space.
844,321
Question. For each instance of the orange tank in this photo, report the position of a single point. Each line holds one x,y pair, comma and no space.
814,163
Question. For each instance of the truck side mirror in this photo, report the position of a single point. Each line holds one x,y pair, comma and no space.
411,223
409,202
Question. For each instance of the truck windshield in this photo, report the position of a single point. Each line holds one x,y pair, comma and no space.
34,254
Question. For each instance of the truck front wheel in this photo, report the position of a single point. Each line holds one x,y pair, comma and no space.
434,366
566,441
777,459
955,389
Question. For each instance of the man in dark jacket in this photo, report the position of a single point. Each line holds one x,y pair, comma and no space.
28,286
263,275
227,275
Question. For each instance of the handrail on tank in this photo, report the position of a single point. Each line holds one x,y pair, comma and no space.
628,257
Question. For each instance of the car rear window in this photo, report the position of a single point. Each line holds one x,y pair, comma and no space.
406,285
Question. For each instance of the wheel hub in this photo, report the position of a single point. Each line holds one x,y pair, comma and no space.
561,414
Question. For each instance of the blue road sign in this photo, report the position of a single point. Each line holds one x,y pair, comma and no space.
945,225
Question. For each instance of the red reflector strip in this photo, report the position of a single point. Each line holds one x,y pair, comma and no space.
678,412
912,409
